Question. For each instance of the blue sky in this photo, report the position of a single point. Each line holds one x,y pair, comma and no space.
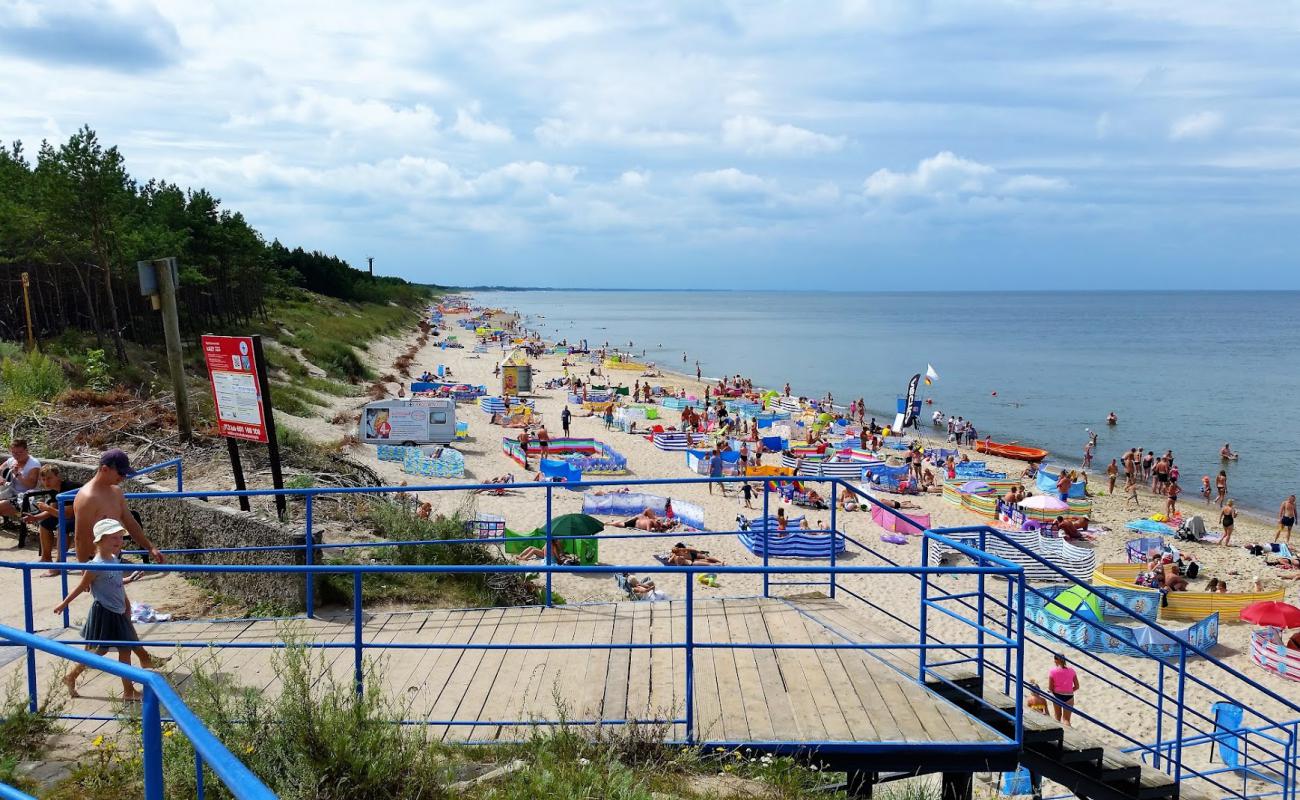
858,144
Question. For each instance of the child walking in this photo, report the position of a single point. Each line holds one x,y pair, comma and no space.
109,619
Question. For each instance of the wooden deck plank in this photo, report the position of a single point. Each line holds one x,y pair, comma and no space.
677,630
735,720
420,676
817,687
748,683
741,694
858,713
542,703
662,676
460,678
615,705
597,627
708,709
775,697
494,680
638,676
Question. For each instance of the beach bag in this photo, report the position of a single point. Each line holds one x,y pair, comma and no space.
1193,569
1257,549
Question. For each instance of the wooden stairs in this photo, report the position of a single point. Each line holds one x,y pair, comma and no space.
1076,760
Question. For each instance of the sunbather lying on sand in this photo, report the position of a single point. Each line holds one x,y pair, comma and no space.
557,555
683,556
648,521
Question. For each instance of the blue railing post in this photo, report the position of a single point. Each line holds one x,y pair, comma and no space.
1020,658
29,625
925,601
151,734
309,558
198,775
180,475
63,553
690,658
357,648
1178,720
1160,713
979,611
550,542
835,485
1012,612
767,495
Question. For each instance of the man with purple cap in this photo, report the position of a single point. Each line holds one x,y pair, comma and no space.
102,498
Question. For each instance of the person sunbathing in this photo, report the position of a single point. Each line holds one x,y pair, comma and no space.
648,521
639,587
683,556
558,555
899,505
848,502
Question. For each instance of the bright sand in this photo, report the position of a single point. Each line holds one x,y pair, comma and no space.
526,510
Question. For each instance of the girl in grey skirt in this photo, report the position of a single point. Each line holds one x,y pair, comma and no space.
109,619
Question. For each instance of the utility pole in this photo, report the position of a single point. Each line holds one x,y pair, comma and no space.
371,261
172,331
27,305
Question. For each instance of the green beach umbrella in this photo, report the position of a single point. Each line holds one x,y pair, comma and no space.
573,525
1075,601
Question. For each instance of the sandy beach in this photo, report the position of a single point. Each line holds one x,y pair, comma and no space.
526,510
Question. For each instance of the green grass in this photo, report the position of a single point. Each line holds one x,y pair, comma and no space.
28,379
22,732
317,738
326,330
398,521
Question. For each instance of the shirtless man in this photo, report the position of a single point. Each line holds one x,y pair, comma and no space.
1286,519
102,498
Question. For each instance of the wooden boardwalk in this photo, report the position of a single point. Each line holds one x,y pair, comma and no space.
741,694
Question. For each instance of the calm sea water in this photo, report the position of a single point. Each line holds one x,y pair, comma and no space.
1184,371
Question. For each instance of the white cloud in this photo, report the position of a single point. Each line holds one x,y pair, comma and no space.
470,127
944,173
1033,184
567,133
634,179
532,175
948,175
313,108
1104,125
729,181
758,136
1201,125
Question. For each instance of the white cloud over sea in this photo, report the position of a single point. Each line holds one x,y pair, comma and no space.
1146,143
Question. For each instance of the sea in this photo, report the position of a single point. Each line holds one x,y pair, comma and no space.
1183,371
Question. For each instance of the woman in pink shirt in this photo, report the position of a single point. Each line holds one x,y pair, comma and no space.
1063,683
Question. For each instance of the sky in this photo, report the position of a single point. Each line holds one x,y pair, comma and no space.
890,144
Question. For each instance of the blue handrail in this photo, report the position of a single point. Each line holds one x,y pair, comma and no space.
241,782
1171,748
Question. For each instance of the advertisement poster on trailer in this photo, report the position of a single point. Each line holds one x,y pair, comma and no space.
232,371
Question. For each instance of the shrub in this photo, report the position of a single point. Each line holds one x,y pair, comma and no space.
339,360
26,380
98,376
316,739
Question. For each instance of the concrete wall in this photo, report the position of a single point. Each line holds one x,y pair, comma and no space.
192,523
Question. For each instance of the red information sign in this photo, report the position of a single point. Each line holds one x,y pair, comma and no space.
232,370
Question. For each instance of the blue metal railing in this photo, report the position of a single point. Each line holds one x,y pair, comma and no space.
359,646
1167,751
986,638
157,695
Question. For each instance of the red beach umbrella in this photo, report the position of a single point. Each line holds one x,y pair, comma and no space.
1272,612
